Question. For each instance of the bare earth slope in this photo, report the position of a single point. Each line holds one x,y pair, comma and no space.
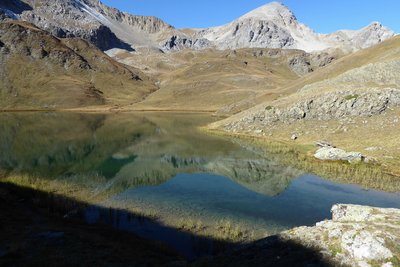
40,71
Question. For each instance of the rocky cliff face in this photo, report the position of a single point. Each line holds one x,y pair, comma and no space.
335,105
88,19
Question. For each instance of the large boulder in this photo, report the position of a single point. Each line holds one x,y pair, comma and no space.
356,236
332,153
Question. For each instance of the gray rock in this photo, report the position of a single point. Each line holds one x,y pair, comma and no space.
323,143
177,43
333,105
374,148
300,65
356,235
364,245
294,137
331,153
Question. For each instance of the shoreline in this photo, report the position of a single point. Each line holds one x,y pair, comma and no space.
375,176
105,110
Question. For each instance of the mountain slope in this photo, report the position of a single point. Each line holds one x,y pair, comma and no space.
223,81
354,103
375,67
39,71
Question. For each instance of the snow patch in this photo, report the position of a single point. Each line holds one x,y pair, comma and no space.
94,13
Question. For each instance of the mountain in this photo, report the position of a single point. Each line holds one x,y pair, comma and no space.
40,71
88,19
275,26
270,26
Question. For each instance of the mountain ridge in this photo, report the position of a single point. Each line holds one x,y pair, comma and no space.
272,25
275,26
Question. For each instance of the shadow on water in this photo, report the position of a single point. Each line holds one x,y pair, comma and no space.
268,252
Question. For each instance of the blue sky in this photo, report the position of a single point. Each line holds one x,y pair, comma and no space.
322,15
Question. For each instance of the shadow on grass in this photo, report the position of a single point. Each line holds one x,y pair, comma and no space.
38,228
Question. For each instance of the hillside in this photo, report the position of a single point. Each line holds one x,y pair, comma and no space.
223,81
40,71
354,103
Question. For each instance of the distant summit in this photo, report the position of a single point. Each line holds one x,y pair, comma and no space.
275,26
274,11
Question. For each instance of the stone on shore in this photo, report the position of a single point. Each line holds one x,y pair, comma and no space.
356,236
332,153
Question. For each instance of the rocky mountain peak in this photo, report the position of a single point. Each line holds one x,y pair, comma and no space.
274,11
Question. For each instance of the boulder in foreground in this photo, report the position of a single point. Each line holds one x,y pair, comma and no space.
356,236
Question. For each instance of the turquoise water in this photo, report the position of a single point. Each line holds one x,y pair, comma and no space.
163,164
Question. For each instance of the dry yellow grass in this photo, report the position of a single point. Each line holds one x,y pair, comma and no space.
213,80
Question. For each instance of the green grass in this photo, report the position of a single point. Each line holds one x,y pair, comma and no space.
190,225
350,97
269,107
228,231
335,249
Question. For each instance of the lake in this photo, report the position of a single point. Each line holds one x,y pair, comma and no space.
164,179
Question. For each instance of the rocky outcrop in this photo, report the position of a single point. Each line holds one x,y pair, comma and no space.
333,105
177,42
300,65
356,236
380,74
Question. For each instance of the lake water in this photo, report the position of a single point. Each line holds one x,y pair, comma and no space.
162,163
